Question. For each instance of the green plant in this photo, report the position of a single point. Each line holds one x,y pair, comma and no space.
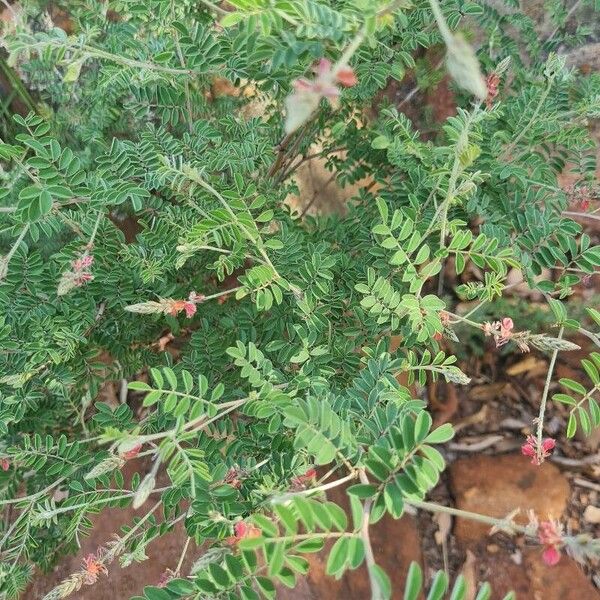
290,368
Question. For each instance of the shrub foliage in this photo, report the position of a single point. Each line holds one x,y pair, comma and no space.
143,210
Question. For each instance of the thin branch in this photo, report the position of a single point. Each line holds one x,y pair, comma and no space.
505,524
540,424
376,592
580,215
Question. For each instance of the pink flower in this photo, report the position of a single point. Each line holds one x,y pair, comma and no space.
78,275
488,329
165,578
82,278
92,567
302,482
4,464
506,327
324,84
83,263
346,77
304,101
242,531
501,330
550,536
492,82
132,453
188,306
551,555
232,477
537,452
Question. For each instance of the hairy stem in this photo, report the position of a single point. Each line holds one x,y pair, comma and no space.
540,424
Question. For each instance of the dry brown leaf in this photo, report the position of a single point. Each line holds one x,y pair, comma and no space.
477,446
489,391
479,417
530,364
468,572
444,522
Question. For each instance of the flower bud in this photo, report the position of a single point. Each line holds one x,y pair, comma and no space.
129,448
143,492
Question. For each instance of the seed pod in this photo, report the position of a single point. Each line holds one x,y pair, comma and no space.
106,466
146,308
299,107
463,67
143,492
543,342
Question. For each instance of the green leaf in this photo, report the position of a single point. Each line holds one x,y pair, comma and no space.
485,592
154,593
571,425
394,501
414,581
139,386
442,434
381,142
152,398
439,585
310,546
362,490
275,558
338,556
382,581
572,385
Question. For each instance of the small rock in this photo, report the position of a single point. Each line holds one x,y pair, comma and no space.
564,581
532,578
497,485
592,514
504,574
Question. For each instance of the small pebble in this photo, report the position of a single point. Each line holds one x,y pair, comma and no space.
592,514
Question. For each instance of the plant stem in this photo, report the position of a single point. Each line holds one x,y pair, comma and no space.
376,592
188,98
441,22
5,260
580,215
540,424
502,524
256,239
509,149
131,62
182,556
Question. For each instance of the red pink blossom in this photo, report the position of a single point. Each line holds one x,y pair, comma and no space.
188,306
132,452
242,531
92,567
550,536
304,481
501,330
492,83
536,451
